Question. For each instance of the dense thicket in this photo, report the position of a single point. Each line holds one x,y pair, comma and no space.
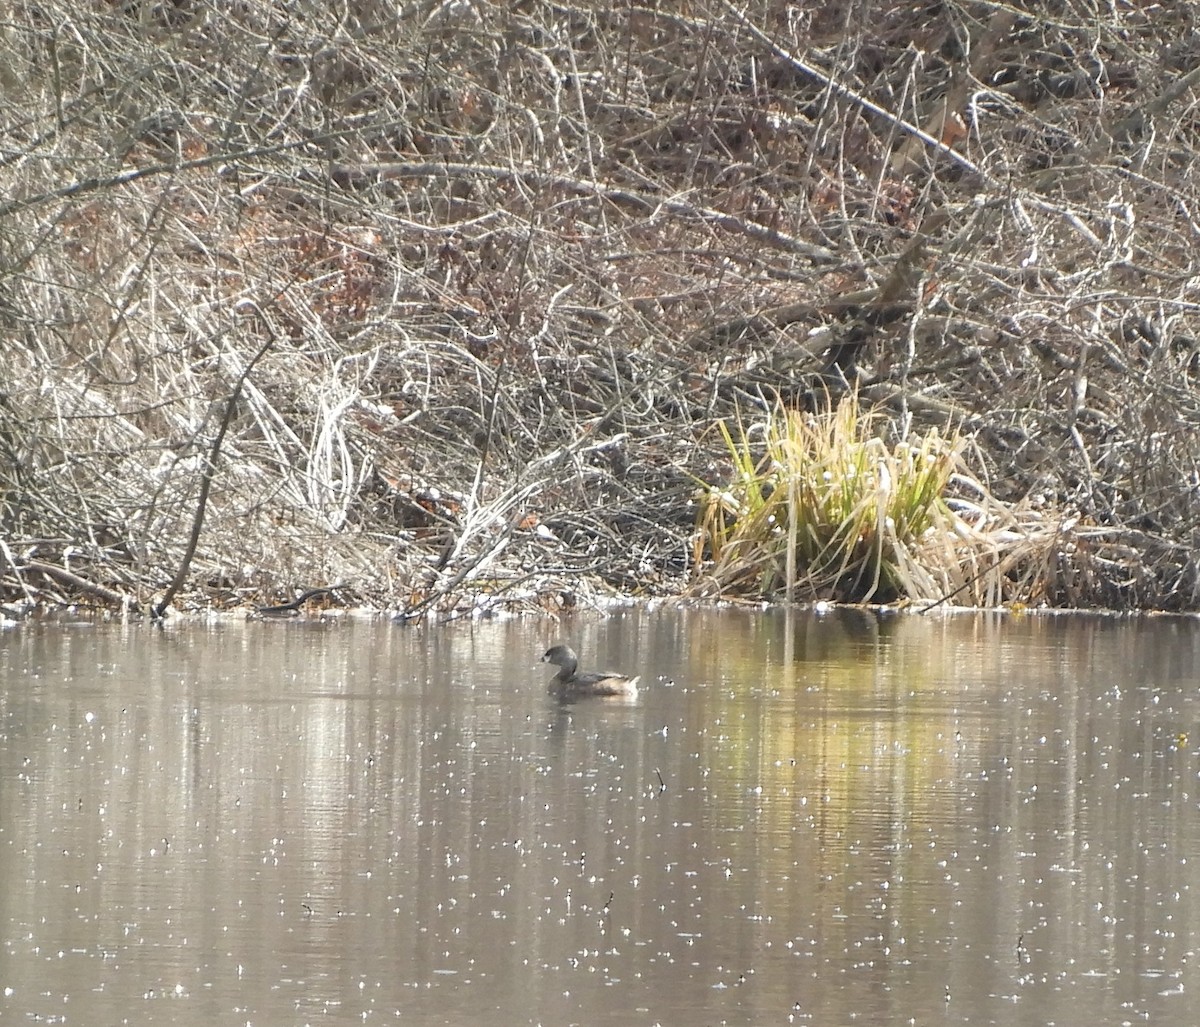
443,299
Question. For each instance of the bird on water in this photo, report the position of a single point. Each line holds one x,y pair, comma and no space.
568,680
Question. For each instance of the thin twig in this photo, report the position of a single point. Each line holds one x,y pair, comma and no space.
159,610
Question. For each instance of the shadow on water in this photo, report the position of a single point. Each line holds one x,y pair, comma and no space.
801,819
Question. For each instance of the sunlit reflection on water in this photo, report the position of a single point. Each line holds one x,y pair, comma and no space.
801,819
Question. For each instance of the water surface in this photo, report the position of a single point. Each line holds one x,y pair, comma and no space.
802,819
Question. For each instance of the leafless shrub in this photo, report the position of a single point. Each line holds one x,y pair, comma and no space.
513,260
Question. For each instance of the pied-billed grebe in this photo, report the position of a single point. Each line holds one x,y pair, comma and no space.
569,682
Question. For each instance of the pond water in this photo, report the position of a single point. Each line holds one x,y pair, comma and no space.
809,819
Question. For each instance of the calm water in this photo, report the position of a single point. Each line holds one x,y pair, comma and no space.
812,820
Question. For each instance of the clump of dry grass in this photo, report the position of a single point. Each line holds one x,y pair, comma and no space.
820,506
